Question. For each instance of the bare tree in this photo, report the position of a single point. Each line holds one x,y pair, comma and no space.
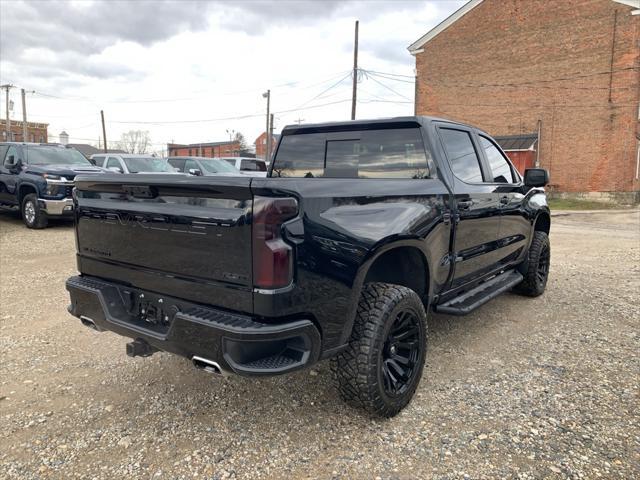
135,141
243,145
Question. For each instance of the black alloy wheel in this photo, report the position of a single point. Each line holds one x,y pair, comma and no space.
535,268
400,353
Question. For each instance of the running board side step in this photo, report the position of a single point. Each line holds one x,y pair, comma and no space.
470,300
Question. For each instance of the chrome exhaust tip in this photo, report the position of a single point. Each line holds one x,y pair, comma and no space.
88,322
207,365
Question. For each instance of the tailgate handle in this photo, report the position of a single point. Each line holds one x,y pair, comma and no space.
140,191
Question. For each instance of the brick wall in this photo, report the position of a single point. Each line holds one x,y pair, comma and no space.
230,149
499,68
261,146
36,132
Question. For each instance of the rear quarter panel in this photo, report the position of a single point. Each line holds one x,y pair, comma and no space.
347,223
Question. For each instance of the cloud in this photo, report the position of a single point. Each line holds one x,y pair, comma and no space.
90,27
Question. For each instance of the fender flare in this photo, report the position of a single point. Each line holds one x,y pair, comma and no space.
22,185
383,247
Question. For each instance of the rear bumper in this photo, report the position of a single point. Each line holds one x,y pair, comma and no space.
236,342
57,207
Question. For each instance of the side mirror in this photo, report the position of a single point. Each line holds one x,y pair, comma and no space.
115,169
13,164
195,171
536,177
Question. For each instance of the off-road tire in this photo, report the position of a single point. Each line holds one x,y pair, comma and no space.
32,216
535,280
359,369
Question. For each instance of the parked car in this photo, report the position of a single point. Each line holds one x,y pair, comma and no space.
132,163
254,167
204,166
362,228
38,179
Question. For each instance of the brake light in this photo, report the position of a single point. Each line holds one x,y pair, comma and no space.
272,256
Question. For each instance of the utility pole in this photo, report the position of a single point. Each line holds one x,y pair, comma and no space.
355,75
267,152
104,131
7,120
268,159
24,117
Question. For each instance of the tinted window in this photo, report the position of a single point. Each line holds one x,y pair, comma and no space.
3,151
11,151
177,163
191,164
300,156
253,165
98,159
499,166
462,155
391,153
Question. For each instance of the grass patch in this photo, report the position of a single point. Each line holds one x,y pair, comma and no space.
574,204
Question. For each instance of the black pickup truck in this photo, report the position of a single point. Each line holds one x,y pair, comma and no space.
359,230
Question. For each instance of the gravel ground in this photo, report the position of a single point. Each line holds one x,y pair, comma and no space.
522,388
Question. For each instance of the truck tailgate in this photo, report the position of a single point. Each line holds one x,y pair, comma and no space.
187,237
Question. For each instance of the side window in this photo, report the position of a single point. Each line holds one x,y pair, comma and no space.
11,157
177,163
113,162
248,165
98,160
500,168
462,155
189,164
300,156
3,151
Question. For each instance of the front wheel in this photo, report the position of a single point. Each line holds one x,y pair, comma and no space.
535,268
32,216
382,366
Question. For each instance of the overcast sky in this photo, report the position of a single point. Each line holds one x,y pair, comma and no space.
203,64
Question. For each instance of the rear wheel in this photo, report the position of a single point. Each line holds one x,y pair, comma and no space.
381,368
32,216
535,268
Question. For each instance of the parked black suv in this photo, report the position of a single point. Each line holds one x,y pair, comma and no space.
361,228
38,179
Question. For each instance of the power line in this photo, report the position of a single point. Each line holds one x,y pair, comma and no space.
326,90
389,88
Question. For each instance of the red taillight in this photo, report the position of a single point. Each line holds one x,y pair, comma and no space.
272,256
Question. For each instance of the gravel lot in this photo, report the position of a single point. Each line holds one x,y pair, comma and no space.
522,388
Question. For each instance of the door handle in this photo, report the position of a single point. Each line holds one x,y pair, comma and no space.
465,204
504,200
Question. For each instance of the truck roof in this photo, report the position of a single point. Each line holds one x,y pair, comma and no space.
349,124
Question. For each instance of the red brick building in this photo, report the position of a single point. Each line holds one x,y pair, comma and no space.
36,132
261,144
568,69
211,149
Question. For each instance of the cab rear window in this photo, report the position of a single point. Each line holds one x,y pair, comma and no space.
385,153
